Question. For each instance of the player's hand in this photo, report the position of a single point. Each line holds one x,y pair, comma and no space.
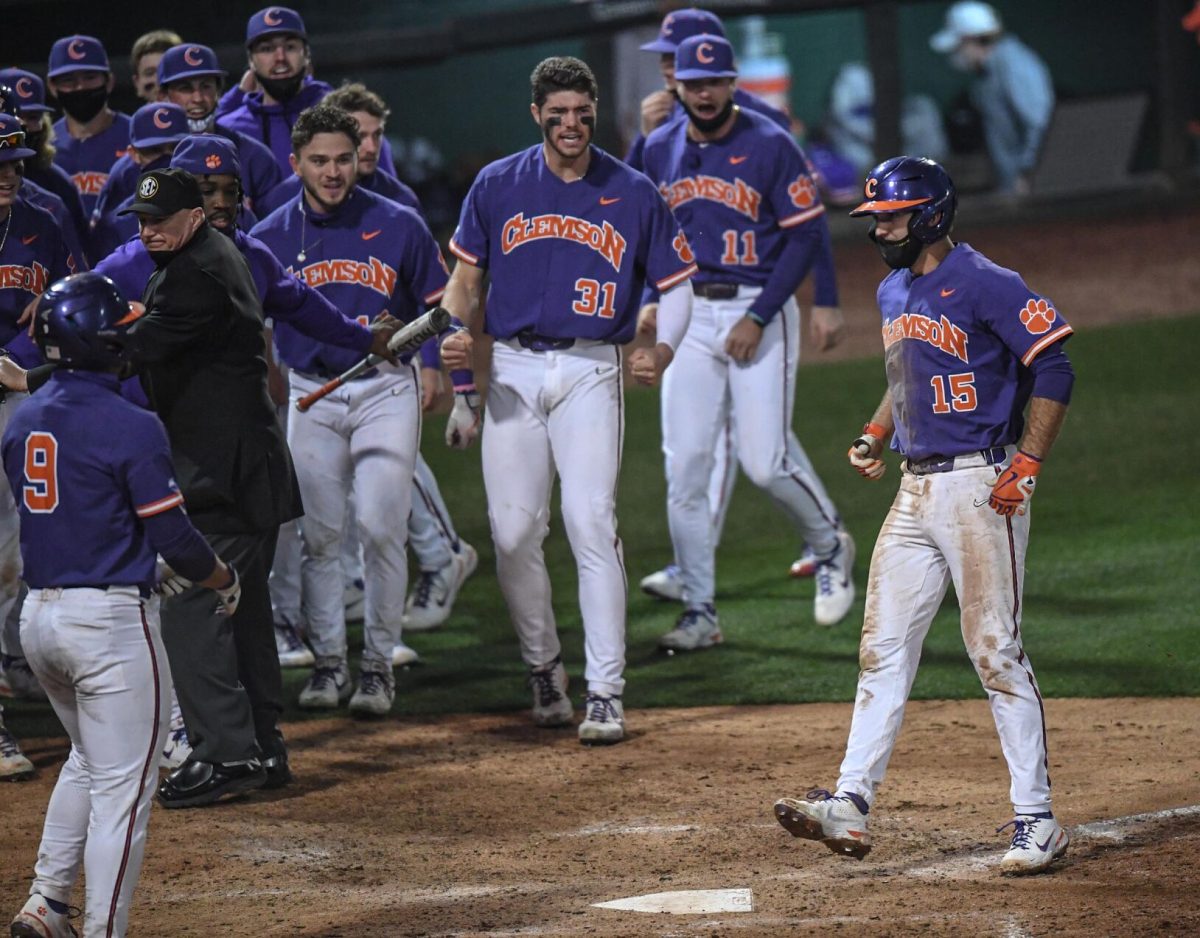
382,330
648,364
656,107
743,340
827,327
277,384
456,350
229,595
431,387
168,583
463,425
249,81
1013,488
865,452
647,320
12,376
26,316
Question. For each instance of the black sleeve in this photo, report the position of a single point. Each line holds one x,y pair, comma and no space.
39,375
188,306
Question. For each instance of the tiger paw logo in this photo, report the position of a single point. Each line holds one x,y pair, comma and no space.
1038,316
213,161
803,192
683,249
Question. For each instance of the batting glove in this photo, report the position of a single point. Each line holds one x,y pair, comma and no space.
230,595
463,425
168,582
864,453
1014,486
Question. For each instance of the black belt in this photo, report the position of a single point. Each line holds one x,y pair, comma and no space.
939,463
715,291
542,343
143,590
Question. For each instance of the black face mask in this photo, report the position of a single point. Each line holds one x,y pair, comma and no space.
82,106
710,124
898,255
281,89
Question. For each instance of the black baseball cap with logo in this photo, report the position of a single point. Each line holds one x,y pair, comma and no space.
162,192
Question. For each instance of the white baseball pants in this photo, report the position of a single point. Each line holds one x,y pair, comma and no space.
700,389
561,412
362,438
933,535
431,533
99,655
10,548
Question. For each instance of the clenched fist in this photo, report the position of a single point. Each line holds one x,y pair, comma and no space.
648,364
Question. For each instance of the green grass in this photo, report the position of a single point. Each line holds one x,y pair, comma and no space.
1112,603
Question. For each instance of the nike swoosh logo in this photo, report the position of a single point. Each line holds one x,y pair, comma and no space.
604,201
735,160
1046,846
368,235
948,292
29,240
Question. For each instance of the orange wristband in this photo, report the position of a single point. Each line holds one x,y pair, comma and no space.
876,431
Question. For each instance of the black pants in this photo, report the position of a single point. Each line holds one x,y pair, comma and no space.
226,670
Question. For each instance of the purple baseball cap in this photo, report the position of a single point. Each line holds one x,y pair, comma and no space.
12,140
704,56
29,92
207,155
188,61
272,21
158,123
681,25
77,54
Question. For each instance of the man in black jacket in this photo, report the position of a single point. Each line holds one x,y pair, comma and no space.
200,348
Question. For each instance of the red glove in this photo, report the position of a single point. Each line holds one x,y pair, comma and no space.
1014,486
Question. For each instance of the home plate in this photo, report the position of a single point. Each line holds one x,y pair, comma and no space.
687,902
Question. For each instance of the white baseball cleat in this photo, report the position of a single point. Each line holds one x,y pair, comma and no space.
835,586
17,679
551,705
696,628
14,767
177,747
37,920
432,598
403,655
603,720
838,820
376,692
293,653
1037,841
328,685
666,583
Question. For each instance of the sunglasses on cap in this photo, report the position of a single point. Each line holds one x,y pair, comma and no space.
16,140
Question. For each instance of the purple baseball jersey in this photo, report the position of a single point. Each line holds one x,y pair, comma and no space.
34,194
958,344
569,260
88,162
85,465
367,257
32,257
735,196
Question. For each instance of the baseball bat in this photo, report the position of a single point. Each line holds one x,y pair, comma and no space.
408,339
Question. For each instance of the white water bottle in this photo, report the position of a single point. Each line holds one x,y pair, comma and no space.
763,71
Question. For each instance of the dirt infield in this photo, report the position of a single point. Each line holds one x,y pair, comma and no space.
485,825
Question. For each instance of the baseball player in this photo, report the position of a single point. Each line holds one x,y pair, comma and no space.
826,322
740,189
29,103
968,345
144,57
90,136
154,132
33,254
190,76
93,479
367,256
569,235
277,86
